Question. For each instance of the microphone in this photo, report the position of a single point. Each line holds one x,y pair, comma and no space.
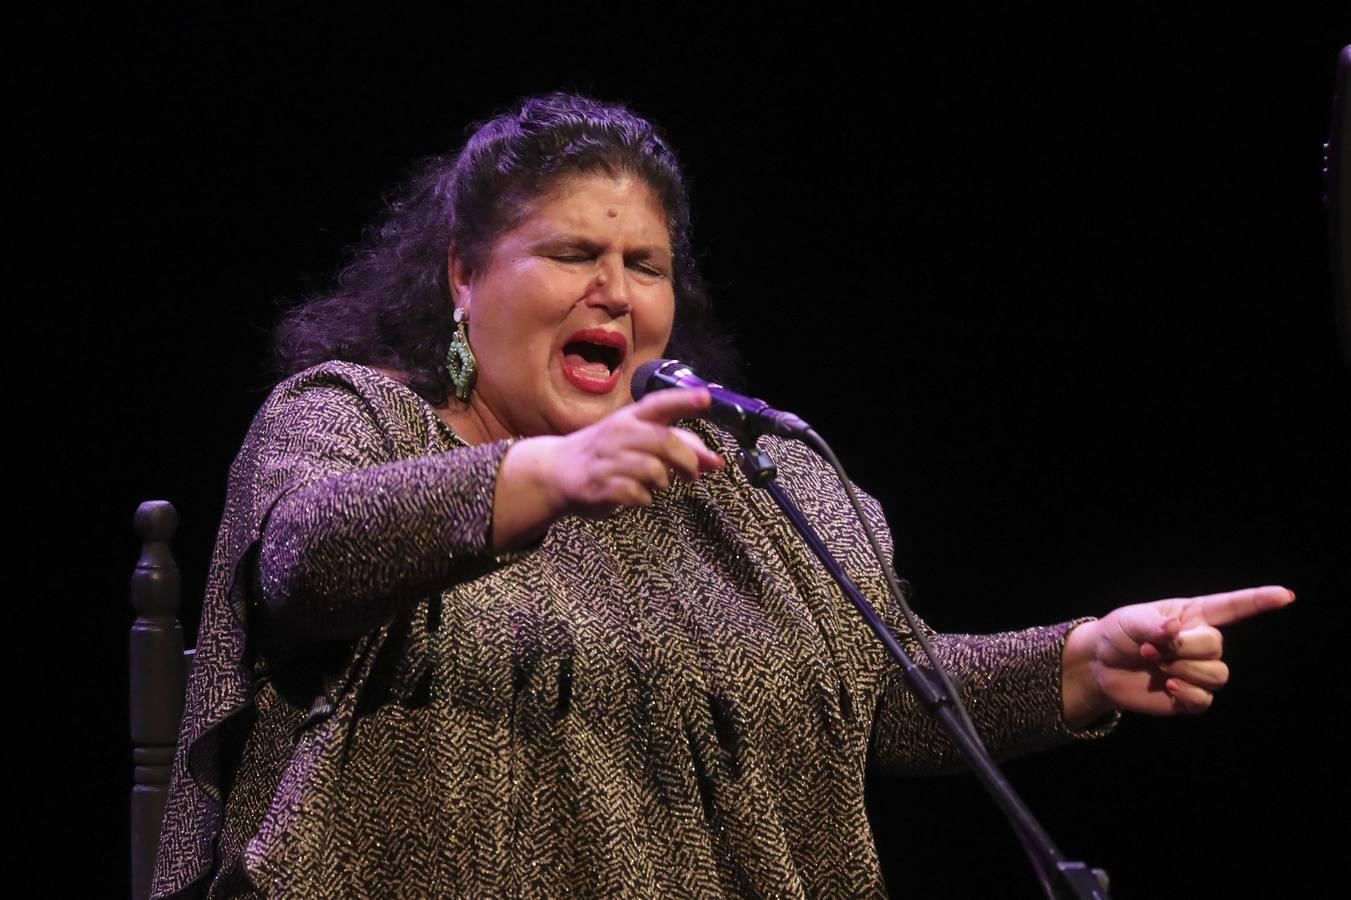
745,417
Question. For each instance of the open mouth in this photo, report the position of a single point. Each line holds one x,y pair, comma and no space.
593,357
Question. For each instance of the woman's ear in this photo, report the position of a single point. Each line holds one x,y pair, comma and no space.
459,278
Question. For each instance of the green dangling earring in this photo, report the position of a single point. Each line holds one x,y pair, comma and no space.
460,359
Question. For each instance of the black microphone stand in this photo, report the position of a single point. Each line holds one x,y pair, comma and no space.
1062,879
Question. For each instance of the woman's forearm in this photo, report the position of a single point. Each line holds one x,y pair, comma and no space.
340,554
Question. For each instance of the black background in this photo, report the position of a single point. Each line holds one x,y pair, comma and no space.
1057,291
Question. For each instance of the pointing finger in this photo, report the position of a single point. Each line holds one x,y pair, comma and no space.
1221,609
665,407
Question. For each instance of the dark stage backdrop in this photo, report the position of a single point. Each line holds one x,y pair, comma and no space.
1061,303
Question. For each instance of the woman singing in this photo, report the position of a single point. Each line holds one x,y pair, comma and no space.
478,624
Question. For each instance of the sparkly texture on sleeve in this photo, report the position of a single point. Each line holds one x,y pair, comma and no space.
339,554
314,430
1010,683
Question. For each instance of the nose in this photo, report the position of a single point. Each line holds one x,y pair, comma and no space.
610,290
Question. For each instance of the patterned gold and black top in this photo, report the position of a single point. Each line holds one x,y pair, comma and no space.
673,702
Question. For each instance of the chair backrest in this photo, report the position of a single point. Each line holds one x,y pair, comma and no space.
159,670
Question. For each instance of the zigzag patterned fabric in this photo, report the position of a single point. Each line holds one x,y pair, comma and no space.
674,701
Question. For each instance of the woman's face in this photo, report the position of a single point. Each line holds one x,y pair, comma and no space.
568,304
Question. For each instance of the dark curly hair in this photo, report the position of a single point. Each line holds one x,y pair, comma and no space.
390,305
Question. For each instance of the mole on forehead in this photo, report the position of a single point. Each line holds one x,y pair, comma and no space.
612,213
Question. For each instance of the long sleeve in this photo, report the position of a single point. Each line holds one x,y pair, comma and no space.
1010,682
353,533
341,466
673,701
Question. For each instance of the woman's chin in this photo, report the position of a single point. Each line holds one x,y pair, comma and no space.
573,408
581,412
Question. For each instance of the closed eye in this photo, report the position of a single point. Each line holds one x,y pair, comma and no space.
649,269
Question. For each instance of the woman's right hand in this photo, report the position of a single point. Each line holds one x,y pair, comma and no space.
622,460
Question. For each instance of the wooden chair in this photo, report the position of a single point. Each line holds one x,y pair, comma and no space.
159,670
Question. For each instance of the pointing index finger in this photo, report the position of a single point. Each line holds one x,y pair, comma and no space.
665,407
1222,609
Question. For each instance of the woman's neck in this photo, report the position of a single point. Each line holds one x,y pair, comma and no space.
472,422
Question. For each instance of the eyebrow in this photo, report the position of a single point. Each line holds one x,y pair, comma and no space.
577,240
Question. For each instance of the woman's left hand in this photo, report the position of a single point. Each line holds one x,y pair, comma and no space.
1160,658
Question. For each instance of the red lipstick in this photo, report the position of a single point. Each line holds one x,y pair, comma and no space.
593,359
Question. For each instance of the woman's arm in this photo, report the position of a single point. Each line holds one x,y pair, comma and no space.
341,553
350,535
622,460
1011,685
1009,682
